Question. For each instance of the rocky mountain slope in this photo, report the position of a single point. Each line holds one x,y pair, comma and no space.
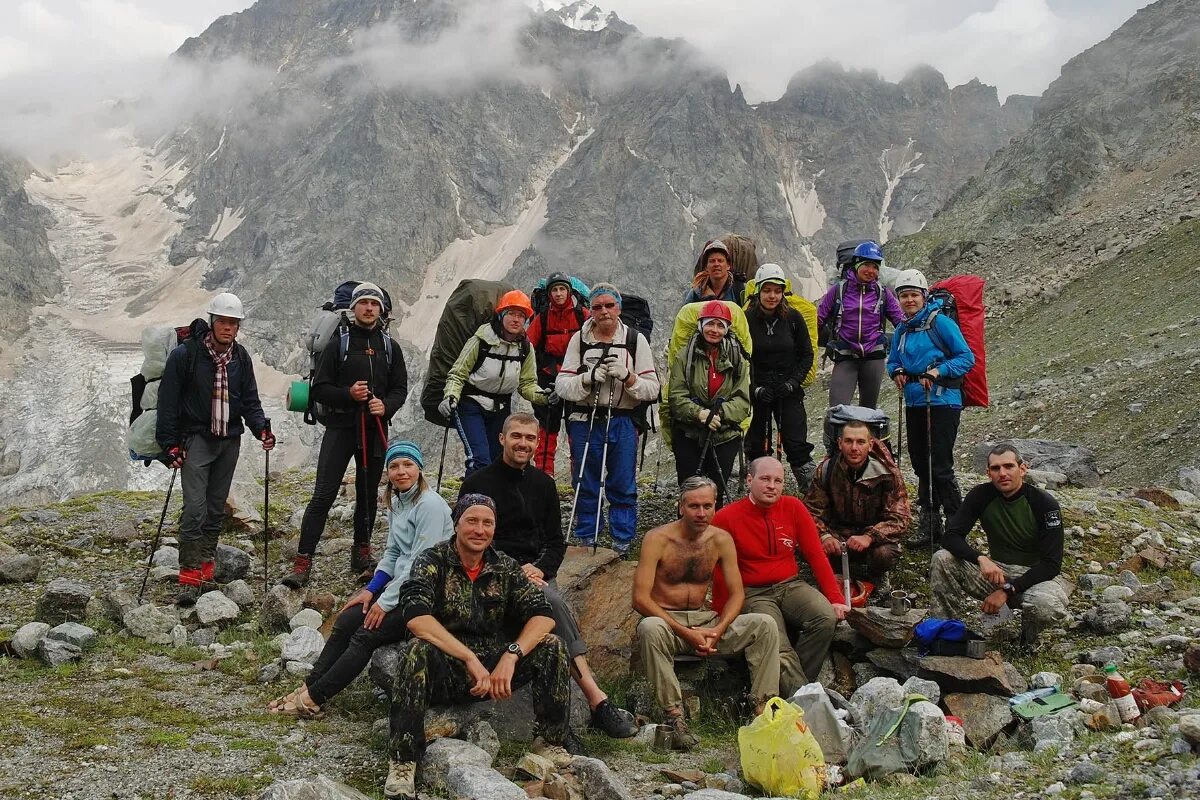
26,262
1086,228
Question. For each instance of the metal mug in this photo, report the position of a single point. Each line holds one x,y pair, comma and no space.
899,602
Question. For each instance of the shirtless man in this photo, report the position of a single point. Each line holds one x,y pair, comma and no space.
669,587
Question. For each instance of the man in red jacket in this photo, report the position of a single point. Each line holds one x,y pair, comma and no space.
768,529
549,333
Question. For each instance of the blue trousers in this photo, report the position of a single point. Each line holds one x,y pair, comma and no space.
480,433
620,485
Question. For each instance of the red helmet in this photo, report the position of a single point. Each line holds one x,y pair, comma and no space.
716,309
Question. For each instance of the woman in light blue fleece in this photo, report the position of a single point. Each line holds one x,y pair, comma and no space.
418,518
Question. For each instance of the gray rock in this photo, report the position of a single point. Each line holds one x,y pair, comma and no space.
214,608
1108,618
1189,728
930,690
1076,463
1113,594
483,736
115,604
1043,680
1053,730
443,753
318,788
232,564
25,640
1189,479
923,732
298,668
269,673
831,733
306,618
1091,583
984,716
920,743
1100,656
303,645
598,781
279,606
150,622
474,783
239,592
56,652
64,600
178,636
713,794
165,556
1129,578
1086,772
19,568
73,633
164,575
874,698
203,637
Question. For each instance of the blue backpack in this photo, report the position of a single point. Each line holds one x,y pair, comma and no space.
943,637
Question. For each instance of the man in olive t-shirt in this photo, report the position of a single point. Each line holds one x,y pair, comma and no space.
1023,525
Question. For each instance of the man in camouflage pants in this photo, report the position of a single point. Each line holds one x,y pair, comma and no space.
462,603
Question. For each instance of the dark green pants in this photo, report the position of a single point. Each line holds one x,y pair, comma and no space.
426,676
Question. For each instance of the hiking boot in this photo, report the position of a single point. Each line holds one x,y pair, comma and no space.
560,754
804,475
300,574
362,561
616,723
189,588
682,738
207,570
401,781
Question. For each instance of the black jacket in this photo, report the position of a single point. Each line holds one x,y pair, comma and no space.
335,376
528,519
185,394
782,347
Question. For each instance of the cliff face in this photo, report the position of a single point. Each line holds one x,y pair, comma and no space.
29,268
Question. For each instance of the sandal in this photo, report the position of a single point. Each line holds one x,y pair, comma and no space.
282,700
297,708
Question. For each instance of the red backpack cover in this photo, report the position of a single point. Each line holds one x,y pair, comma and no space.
967,291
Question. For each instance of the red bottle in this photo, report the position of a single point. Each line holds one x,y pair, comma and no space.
1122,695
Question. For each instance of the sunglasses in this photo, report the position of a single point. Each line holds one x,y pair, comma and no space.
598,306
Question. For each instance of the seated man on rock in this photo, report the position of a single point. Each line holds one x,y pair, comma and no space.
672,579
529,530
480,629
859,501
1023,526
769,531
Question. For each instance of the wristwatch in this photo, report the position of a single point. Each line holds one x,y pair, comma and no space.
1009,589
515,649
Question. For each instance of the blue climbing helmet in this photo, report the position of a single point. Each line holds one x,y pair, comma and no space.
868,251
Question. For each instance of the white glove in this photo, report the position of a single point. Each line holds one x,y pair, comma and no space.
446,407
598,374
618,370
714,421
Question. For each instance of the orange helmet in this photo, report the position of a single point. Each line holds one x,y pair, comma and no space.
515,299
715,309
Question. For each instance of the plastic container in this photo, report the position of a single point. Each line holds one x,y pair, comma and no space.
955,731
1121,693
1032,694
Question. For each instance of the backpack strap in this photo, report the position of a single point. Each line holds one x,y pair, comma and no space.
485,352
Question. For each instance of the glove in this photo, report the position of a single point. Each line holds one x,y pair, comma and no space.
268,439
788,388
599,373
552,399
713,421
617,369
446,407
764,394
174,457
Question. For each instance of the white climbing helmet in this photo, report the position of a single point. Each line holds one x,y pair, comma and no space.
226,304
770,273
911,279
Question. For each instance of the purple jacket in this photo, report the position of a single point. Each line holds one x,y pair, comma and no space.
861,332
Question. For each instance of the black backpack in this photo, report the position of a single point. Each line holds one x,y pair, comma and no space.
635,315
540,299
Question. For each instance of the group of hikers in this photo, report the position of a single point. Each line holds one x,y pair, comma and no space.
468,591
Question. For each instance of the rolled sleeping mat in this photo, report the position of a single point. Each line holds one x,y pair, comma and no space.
297,396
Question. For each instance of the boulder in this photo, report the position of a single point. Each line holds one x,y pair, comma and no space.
151,623
900,664
961,674
1191,658
239,592
1086,772
324,602
73,633
483,735
64,600
19,568
214,608
927,689
473,783
279,606
873,699
165,556
1159,497
56,652
442,754
831,733
598,781
597,587
1053,730
1106,618
1090,582
115,604
318,788
25,640
883,628
920,743
306,618
1189,728
232,564
1076,463
1189,479
537,767
984,716
303,645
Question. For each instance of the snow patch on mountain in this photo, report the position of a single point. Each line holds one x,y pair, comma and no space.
896,162
579,15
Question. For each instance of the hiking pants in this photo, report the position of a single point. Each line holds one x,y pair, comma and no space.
549,425
426,676
718,460
566,627
943,430
802,615
349,650
873,563
620,483
205,478
752,634
480,430
338,446
865,374
954,583
790,419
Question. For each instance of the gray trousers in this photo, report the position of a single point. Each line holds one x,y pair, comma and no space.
865,374
801,611
566,627
955,583
206,476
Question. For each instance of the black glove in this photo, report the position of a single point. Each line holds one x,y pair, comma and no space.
553,400
764,394
788,388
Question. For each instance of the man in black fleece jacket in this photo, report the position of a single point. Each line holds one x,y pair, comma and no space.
529,530
1022,567
361,382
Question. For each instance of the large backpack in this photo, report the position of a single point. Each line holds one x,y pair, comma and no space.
962,300
836,417
332,320
743,257
471,304
540,299
805,308
636,317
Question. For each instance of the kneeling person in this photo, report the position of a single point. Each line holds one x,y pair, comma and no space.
529,530
672,578
462,603
1022,567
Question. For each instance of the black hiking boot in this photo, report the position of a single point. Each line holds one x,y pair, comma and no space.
929,529
301,572
189,588
616,723
804,475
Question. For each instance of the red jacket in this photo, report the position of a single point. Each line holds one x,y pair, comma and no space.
767,540
561,324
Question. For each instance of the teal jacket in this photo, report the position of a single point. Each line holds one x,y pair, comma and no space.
415,522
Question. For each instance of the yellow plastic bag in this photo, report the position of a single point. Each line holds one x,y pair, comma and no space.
779,753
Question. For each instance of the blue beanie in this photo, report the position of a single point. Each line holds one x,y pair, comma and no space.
404,449
604,288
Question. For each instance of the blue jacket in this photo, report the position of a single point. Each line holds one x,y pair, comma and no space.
416,520
918,346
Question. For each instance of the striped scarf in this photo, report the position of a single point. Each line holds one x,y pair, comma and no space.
220,390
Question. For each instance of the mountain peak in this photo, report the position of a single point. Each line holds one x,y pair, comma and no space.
580,15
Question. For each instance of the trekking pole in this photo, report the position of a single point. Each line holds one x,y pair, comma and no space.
158,534
769,444
900,425
612,390
266,512
587,443
705,440
933,509
846,571
442,460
